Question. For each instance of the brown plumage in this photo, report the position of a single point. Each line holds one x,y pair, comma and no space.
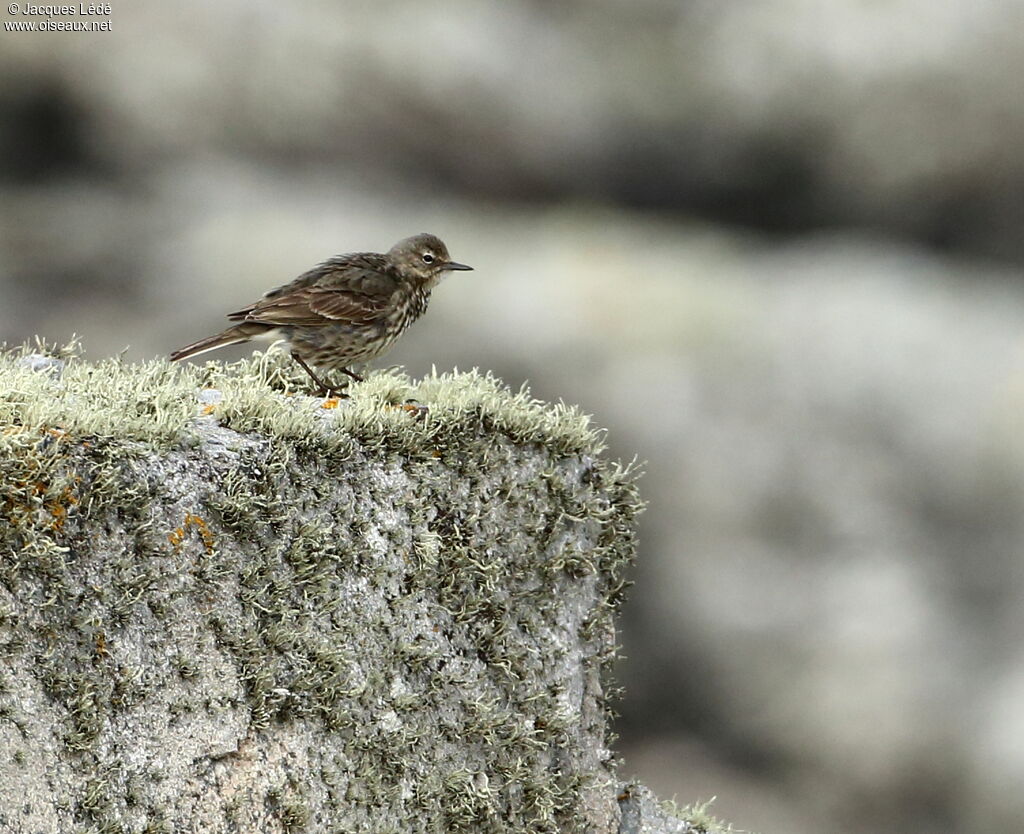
346,311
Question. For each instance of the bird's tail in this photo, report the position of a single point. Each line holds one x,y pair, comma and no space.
231,336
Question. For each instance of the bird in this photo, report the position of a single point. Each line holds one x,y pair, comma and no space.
346,311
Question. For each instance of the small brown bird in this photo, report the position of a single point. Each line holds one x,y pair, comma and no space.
346,311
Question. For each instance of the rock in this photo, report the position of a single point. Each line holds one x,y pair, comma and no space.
643,814
39,363
272,617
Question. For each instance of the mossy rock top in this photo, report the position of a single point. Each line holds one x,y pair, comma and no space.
157,402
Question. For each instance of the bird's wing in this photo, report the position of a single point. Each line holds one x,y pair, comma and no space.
349,288
354,270
314,305
347,305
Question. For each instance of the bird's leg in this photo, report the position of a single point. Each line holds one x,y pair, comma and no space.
352,374
325,389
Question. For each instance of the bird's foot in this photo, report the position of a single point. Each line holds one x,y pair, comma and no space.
328,389
325,389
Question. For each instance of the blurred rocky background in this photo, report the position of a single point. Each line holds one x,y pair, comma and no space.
775,247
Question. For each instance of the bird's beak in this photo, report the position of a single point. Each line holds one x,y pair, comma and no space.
458,267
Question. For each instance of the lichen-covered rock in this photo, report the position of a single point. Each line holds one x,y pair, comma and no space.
643,814
254,612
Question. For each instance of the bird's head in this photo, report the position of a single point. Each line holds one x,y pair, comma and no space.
423,258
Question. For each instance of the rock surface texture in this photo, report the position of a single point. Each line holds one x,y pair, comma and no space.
227,606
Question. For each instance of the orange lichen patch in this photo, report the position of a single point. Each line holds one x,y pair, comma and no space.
207,409
58,510
416,410
100,641
194,522
59,506
330,402
29,500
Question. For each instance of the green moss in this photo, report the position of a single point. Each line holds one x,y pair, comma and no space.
294,552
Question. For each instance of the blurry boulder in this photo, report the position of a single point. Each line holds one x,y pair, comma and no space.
900,116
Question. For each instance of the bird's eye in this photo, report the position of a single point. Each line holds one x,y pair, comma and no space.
428,257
